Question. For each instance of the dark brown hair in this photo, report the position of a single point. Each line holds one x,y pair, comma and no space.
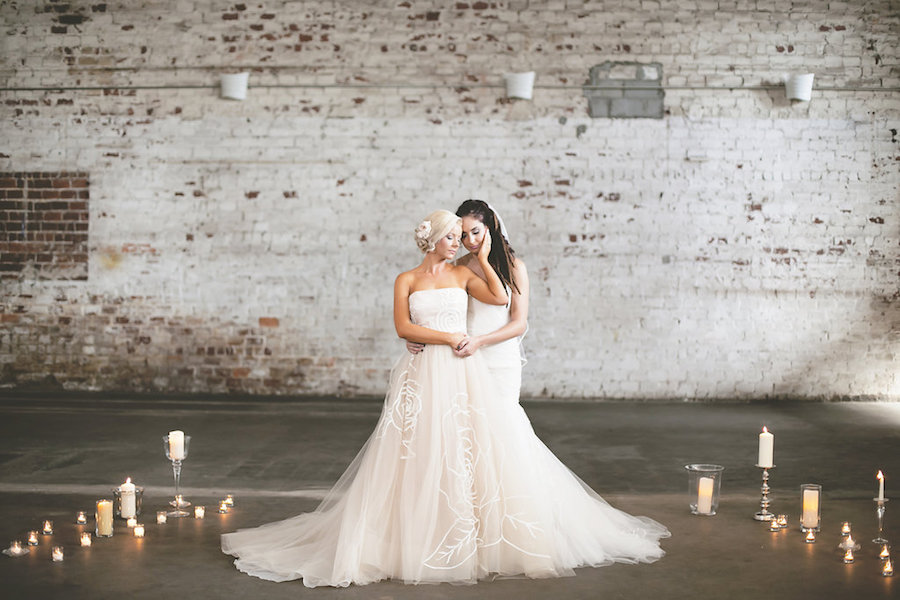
501,256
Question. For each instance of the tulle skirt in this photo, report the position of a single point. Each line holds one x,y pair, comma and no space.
452,486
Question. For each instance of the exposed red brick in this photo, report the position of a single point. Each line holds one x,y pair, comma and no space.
268,322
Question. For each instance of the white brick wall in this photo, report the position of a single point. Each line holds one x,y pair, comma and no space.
740,247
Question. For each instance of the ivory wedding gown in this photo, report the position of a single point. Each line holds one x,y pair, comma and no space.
452,486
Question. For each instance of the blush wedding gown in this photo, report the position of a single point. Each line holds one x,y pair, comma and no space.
452,486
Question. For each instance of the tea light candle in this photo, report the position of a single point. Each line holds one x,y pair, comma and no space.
104,517
766,449
57,554
48,527
229,500
86,538
127,495
885,553
845,528
32,538
782,521
199,512
16,549
888,569
223,508
81,518
138,531
131,522
161,517
810,537
176,445
880,478
848,556
774,526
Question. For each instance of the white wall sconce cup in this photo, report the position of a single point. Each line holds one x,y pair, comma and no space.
519,85
234,85
799,87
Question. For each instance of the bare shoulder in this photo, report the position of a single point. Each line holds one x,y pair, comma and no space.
465,261
405,279
519,266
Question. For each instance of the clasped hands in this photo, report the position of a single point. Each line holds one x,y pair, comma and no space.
466,346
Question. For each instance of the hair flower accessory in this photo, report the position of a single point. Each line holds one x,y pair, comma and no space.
423,230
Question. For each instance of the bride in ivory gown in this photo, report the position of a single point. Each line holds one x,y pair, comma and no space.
453,485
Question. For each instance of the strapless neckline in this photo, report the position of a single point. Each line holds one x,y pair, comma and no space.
438,290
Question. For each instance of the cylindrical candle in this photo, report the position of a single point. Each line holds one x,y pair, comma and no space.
704,495
138,531
129,505
85,538
880,478
104,517
766,449
161,517
810,501
57,554
176,445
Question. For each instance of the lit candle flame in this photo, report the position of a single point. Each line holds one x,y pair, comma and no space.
128,480
765,429
880,475
810,536
848,556
885,553
845,528
888,568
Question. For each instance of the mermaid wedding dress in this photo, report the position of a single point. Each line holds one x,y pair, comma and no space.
452,486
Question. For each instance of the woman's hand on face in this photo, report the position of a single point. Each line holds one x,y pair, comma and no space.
469,347
414,347
485,248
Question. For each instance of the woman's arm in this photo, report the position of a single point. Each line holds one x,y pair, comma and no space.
492,291
409,330
518,316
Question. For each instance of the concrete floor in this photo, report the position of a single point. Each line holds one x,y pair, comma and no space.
59,453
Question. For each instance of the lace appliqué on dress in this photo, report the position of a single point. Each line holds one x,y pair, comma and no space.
404,411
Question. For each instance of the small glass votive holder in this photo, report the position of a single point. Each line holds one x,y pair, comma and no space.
161,517
811,502
845,528
229,501
48,528
774,526
138,501
81,518
848,556
138,530
86,539
16,549
885,553
887,570
32,538
199,512
131,522
782,521
57,554
810,536
704,485
223,508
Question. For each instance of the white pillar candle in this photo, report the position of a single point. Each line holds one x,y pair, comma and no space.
104,517
704,495
176,445
129,504
810,509
880,477
766,449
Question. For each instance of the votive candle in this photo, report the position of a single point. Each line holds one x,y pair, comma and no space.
229,500
48,527
774,526
888,569
885,553
199,512
848,556
57,554
81,518
139,531
811,536
845,528
131,522
15,548
223,507
161,517
704,495
782,521
32,538
86,538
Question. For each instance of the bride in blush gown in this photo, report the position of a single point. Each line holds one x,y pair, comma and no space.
445,489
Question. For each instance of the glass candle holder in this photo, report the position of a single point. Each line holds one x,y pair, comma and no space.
810,537
704,485
223,508
811,501
57,554
81,518
123,501
888,569
199,512
16,549
86,539
845,528
138,531
848,556
104,518
885,552
161,517
131,522
229,500
774,526
782,521
32,538
48,528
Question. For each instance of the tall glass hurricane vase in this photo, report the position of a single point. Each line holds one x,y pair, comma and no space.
177,455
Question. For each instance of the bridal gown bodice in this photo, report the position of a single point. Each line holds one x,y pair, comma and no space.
452,486
483,318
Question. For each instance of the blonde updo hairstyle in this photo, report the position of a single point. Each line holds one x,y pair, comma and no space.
434,227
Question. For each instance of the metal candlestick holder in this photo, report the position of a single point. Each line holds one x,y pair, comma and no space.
179,503
764,514
879,510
